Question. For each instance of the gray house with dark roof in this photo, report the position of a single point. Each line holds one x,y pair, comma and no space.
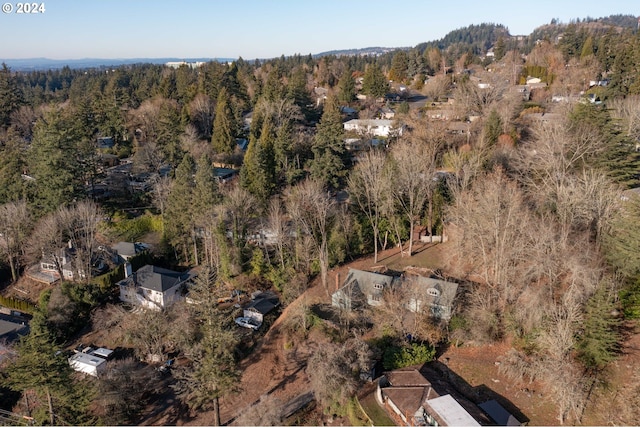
153,287
361,287
430,294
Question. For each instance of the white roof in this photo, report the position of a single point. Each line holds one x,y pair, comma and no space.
369,122
103,352
86,359
451,412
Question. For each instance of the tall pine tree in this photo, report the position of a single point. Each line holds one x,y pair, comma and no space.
329,164
223,139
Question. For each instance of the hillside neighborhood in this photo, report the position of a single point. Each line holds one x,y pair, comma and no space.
444,235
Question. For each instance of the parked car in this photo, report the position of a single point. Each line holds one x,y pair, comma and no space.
248,322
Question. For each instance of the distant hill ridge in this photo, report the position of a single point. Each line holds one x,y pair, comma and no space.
47,64
475,38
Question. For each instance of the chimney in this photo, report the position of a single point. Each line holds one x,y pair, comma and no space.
337,281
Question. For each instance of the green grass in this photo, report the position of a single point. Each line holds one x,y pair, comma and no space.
375,412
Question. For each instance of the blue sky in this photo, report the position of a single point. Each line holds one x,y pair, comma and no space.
72,29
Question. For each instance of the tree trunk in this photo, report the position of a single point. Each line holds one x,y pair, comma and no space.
14,272
50,403
375,245
411,238
216,411
430,220
195,248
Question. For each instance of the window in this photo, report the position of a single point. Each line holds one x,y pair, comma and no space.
433,292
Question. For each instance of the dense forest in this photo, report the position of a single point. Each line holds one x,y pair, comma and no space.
533,196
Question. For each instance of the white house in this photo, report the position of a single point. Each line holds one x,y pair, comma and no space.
153,287
90,361
372,127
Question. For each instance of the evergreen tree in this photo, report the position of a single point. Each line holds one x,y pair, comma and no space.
297,91
10,96
598,340
618,155
178,215
206,192
346,88
374,82
492,128
12,186
222,139
258,174
41,366
169,130
328,165
53,161
399,66
213,372
500,49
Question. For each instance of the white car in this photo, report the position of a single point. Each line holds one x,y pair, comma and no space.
248,322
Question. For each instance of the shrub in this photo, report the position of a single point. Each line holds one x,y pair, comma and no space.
17,304
396,357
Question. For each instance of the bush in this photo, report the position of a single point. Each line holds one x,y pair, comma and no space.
133,229
396,357
17,304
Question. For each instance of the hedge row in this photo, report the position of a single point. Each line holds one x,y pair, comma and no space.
17,304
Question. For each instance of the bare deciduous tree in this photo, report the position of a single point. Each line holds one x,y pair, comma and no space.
413,175
494,237
479,98
81,225
268,411
15,224
313,210
369,187
627,111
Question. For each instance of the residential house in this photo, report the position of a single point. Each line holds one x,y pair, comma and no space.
361,287
12,327
224,175
348,112
387,113
62,260
262,304
105,142
410,400
430,294
372,127
127,250
90,361
153,287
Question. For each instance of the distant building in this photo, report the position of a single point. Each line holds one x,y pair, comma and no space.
372,127
178,64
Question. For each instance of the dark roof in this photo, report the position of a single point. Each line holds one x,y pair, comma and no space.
156,278
407,377
445,291
11,328
125,248
366,281
262,305
501,416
